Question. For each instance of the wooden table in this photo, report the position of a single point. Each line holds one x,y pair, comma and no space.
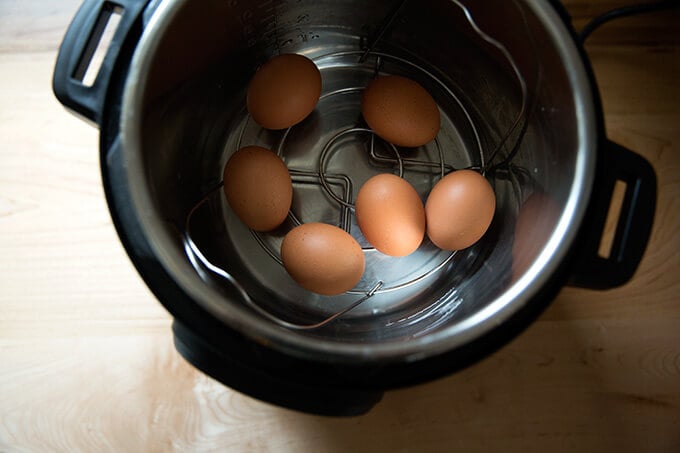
86,355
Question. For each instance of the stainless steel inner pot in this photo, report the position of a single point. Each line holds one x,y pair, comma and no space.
183,114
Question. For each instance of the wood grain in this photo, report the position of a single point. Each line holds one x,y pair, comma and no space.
87,362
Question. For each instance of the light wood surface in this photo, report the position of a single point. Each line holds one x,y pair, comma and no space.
86,355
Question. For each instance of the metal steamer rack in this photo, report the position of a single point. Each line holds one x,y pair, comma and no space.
325,179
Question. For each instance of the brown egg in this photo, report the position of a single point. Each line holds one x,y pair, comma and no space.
284,91
323,258
459,210
390,215
258,187
400,111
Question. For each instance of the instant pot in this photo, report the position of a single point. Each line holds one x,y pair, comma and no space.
518,103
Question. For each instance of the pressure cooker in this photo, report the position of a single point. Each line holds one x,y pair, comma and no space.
518,104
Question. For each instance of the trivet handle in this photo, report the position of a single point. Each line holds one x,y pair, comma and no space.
80,44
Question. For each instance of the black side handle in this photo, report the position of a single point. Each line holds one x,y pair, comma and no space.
634,225
78,47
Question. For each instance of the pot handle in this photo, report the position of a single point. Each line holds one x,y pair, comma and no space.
633,228
79,45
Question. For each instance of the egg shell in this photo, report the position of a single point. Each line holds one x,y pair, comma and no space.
258,187
459,210
283,91
323,258
400,111
390,214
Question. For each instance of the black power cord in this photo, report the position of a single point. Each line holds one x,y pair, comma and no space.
625,12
